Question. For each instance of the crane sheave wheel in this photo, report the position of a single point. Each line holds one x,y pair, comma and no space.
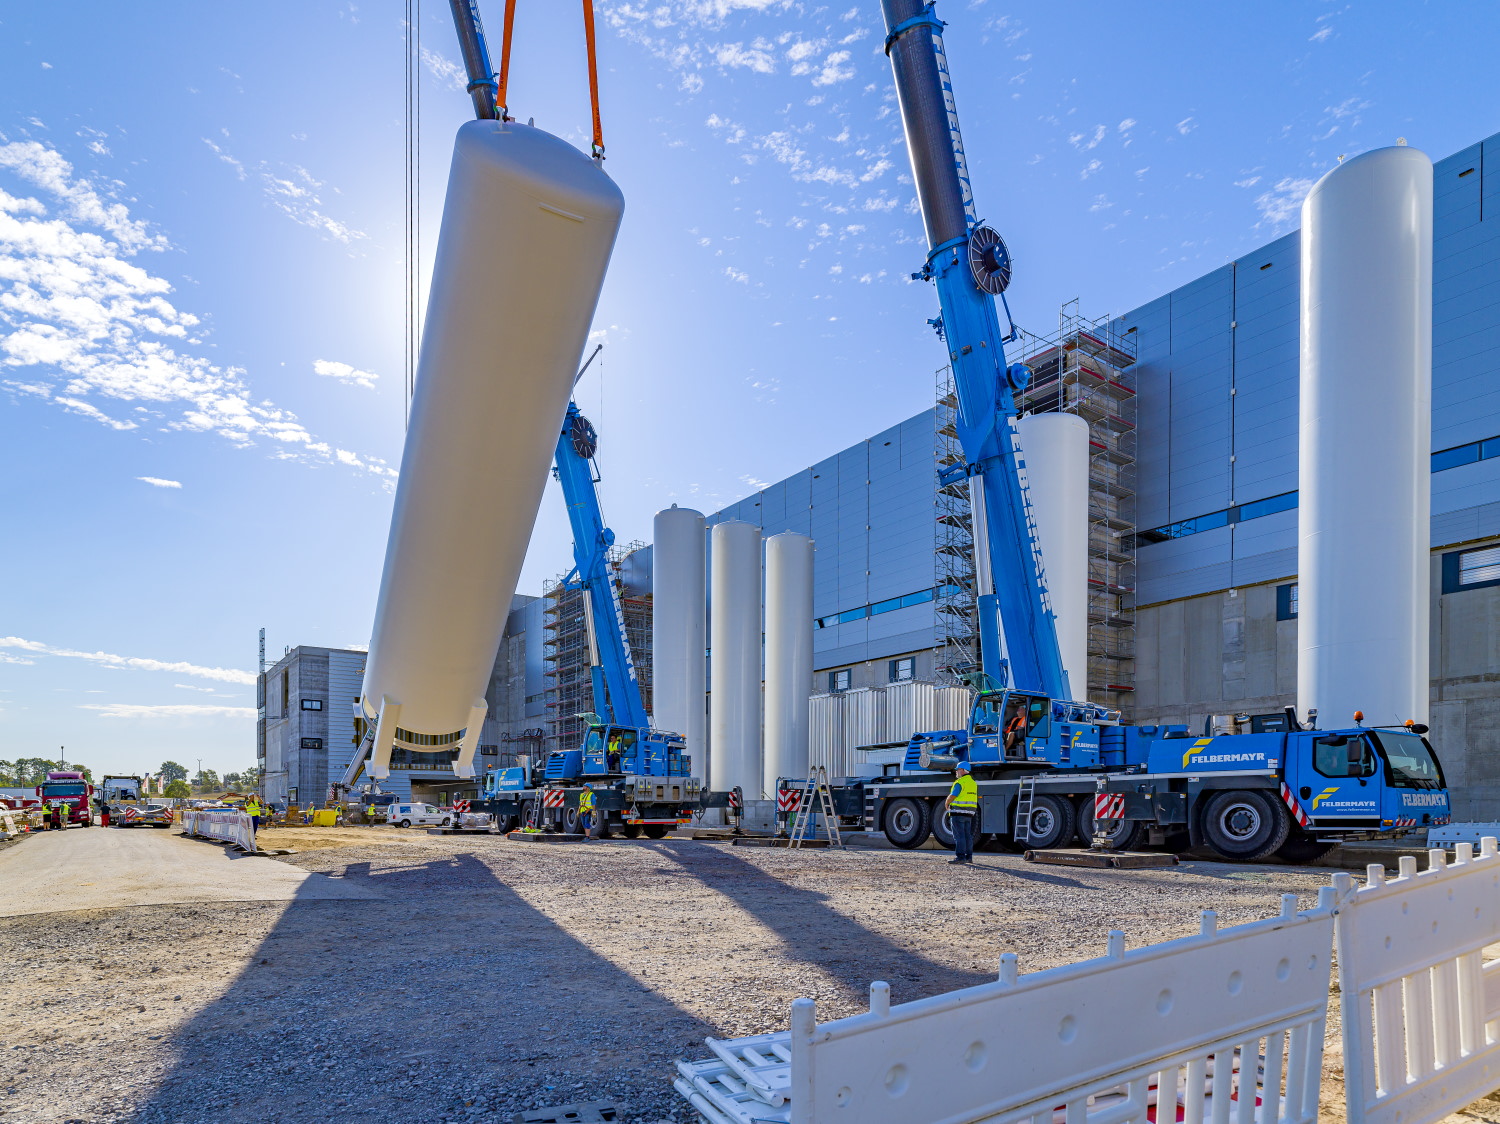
583,436
989,261
1246,826
908,822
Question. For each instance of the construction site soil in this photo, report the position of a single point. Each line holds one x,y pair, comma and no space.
475,977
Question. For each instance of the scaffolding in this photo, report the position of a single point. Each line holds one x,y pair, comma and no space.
570,684
1085,370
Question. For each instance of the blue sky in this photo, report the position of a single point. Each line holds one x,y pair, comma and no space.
200,274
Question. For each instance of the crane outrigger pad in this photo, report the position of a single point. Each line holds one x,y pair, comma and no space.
774,841
543,837
1104,860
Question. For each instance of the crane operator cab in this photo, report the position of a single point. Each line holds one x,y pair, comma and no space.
1002,722
610,750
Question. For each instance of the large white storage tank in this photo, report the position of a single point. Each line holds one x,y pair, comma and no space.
1056,451
1365,440
679,622
528,226
734,659
789,656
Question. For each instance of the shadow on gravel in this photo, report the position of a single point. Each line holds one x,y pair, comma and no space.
403,1008
814,932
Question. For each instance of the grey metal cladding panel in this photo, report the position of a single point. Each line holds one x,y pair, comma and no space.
1258,480
1458,254
1460,304
1468,485
1269,532
1202,493
1188,583
1211,290
773,505
1153,450
1466,524
1175,555
1283,253
1456,197
1266,567
919,619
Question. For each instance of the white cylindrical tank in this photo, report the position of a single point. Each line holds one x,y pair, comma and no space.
789,656
679,622
734,660
1056,451
1366,434
528,226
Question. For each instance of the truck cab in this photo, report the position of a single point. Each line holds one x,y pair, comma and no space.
1367,779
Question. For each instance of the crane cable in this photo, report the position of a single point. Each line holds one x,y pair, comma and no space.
501,96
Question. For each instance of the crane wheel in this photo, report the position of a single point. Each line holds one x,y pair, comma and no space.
1053,822
942,826
1246,826
907,822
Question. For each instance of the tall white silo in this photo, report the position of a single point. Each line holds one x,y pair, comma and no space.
1365,440
1056,450
789,656
679,621
734,659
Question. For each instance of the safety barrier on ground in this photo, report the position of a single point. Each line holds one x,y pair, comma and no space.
1421,1008
228,827
1225,1024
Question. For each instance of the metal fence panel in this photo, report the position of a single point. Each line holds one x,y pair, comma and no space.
1421,1005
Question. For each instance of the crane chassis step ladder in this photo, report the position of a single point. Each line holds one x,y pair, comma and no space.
816,788
1025,797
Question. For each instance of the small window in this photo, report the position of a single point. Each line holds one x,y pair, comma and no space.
1352,759
854,614
312,704
1266,266
1471,569
1466,172
1287,501
489,751
1286,602
1490,448
885,606
839,680
921,597
1452,458
312,743
903,669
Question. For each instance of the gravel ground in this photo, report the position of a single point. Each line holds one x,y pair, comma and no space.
492,976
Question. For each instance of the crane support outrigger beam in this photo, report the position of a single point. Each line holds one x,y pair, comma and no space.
1018,635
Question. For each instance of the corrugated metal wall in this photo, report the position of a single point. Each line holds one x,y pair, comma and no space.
876,715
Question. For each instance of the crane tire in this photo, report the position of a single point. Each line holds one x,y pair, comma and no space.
942,826
1247,825
1053,822
907,823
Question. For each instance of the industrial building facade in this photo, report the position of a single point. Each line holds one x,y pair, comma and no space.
1199,600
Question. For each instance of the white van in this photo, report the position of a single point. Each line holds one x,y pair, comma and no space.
404,815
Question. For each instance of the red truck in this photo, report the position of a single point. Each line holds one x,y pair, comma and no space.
72,790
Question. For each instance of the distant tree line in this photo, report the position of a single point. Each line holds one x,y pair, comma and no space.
28,772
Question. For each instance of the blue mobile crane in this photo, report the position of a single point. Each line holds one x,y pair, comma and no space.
1045,763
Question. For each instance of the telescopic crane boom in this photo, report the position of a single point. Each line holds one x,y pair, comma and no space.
970,265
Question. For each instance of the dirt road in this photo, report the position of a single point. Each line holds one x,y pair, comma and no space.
474,977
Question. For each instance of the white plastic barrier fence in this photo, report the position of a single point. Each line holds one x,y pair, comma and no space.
1224,1026
1421,1007
230,827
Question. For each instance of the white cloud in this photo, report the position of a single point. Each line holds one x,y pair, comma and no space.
445,70
158,482
1249,182
1282,205
1186,126
344,373
1090,169
757,484
736,275
133,663
835,69
1321,34
754,57
173,710
87,326
1086,141
293,191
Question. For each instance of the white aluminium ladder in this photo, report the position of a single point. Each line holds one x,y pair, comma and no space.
816,789
1025,797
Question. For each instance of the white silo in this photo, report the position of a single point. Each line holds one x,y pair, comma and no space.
1056,451
528,225
1365,440
734,659
679,622
789,656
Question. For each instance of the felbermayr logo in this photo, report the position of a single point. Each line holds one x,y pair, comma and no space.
1423,799
1322,796
1191,757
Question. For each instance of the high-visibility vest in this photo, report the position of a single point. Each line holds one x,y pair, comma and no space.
965,795
252,807
370,811
586,801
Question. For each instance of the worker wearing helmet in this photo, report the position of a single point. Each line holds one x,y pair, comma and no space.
586,811
253,810
962,807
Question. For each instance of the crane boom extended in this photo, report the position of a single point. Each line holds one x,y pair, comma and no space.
969,263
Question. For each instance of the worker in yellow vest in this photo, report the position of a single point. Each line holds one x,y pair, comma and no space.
254,811
962,807
586,812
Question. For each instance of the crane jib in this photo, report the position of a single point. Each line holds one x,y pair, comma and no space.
960,160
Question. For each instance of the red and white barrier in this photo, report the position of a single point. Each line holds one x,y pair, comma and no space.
226,826
1421,1005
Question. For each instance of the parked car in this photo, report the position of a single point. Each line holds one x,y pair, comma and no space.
404,815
